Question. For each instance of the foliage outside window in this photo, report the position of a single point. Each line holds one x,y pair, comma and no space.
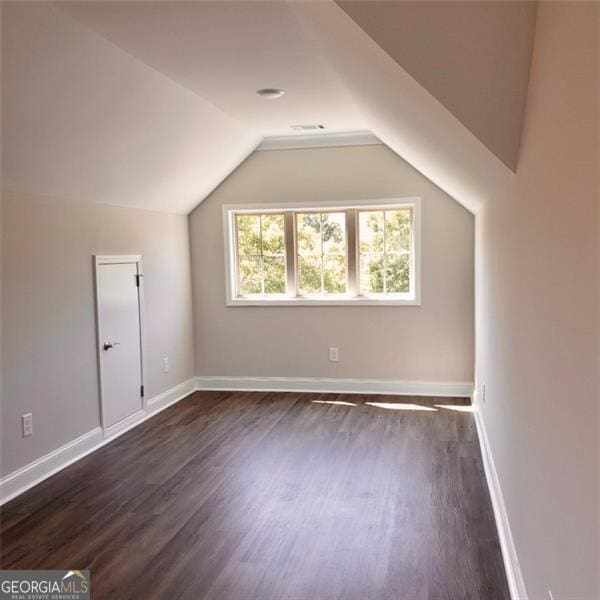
321,251
384,251
333,255
261,254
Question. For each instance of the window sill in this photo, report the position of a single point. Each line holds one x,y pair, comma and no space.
340,301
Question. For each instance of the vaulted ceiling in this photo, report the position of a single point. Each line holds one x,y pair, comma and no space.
153,104
472,56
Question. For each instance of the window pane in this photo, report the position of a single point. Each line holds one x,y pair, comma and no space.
397,280
333,226
250,277
273,234
371,273
334,274
385,251
248,234
308,228
309,274
370,224
397,230
274,273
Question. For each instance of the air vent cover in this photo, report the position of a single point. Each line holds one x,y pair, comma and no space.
309,127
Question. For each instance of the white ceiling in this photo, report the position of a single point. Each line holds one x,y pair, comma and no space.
83,120
160,120
402,113
224,52
153,104
474,57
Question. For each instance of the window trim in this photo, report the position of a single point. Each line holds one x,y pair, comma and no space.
353,248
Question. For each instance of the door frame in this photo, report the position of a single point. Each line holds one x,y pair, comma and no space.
115,259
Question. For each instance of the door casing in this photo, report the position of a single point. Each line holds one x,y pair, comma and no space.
112,259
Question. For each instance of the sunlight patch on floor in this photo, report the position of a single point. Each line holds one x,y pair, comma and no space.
398,406
336,402
457,407
402,405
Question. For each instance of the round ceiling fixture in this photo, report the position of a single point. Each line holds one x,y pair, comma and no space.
270,93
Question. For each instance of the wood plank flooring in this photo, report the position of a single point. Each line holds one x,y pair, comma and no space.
264,496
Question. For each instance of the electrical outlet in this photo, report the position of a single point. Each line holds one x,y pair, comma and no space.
166,365
27,424
333,355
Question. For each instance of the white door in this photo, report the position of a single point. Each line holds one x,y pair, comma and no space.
119,334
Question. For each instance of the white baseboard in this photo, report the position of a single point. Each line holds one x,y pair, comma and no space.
337,386
514,575
35,472
124,424
170,396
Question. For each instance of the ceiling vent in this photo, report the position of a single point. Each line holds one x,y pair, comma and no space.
307,127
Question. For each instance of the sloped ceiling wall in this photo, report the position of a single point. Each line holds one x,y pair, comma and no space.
83,120
152,105
402,113
474,57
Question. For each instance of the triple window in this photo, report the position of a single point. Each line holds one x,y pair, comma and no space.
360,254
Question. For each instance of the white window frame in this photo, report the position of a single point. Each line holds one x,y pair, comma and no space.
350,299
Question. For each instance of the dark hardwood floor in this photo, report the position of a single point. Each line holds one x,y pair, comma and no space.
239,496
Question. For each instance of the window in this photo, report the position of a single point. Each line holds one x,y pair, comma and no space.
321,251
361,253
260,254
384,251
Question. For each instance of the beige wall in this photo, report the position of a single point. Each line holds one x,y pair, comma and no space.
433,342
537,315
48,318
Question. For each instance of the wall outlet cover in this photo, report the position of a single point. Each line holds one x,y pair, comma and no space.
27,424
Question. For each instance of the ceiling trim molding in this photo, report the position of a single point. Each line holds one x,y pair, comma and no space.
319,140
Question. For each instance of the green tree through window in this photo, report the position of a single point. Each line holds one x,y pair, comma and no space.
321,243
384,251
261,254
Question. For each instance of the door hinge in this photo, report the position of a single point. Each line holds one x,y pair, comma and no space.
142,391
137,279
